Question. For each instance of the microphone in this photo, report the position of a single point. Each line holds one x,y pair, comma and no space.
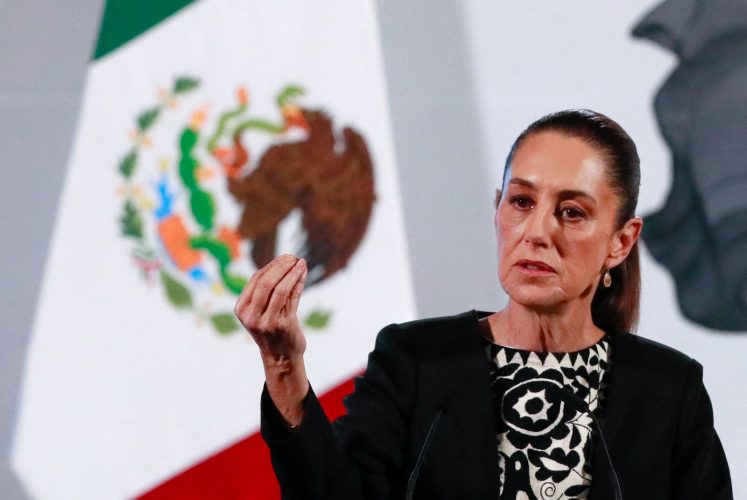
581,405
416,470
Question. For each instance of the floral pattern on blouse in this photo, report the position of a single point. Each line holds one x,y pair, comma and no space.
544,433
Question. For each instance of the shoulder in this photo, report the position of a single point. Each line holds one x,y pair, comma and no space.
436,324
652,358
648,349
443,333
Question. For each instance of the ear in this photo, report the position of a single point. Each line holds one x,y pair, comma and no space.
623,241
497,201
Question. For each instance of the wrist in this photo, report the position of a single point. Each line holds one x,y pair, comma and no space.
288,392
282,365
287,377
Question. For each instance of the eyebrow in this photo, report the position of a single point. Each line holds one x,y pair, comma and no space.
564,194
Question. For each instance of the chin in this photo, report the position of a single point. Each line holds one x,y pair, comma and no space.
546,304
535,296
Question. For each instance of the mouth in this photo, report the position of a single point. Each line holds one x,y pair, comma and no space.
535,267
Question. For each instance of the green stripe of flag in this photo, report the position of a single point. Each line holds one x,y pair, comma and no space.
123,20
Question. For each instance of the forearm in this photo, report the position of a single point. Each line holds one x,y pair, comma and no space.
308,461
287,385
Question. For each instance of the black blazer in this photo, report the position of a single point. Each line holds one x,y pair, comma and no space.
433,375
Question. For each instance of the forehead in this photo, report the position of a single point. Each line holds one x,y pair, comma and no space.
555,160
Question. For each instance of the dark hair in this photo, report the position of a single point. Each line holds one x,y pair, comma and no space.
616,307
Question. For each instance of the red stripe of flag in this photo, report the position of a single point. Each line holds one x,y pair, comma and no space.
240,472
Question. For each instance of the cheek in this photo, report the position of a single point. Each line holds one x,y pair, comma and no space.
506,227
506,238
586,258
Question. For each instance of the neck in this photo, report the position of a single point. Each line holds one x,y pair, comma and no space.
567,329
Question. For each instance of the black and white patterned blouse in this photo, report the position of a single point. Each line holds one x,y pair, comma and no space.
544,437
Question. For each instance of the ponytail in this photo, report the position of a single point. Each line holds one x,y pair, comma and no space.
616,307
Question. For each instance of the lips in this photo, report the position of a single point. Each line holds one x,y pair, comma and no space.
535,267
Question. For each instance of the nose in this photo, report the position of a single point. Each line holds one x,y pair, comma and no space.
539,226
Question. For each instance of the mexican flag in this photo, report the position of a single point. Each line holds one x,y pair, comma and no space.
213,136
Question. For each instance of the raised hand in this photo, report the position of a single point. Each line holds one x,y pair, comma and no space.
267,307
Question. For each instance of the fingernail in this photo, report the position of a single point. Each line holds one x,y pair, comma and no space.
287,257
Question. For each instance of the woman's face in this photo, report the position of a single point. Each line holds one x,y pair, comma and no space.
555,223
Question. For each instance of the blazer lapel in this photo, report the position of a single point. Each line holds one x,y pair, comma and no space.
624,383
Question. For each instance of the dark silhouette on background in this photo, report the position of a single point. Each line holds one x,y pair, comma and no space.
700,234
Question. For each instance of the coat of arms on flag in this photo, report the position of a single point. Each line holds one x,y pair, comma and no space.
175,201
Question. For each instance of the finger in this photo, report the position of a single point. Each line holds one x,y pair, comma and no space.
282,292
295,297
265,286
247,293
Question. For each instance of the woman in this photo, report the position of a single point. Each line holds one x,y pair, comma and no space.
547,398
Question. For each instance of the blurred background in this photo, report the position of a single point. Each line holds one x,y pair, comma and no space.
438,90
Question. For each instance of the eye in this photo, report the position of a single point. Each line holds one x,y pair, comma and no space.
572,213
522,202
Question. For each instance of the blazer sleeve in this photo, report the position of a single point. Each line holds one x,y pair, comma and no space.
700,467
360,455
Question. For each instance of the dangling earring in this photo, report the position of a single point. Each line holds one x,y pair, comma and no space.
607,279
